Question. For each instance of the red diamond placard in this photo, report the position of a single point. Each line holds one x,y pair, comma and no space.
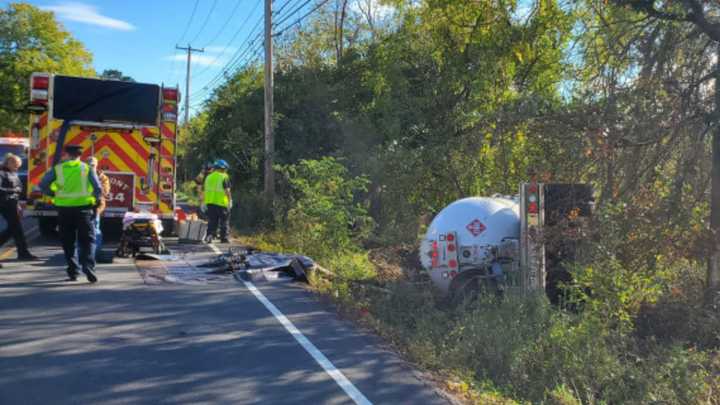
476,227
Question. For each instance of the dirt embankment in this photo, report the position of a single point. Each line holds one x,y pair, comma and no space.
396,263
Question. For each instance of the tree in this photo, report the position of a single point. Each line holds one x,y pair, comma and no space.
32,40
114,74
702,18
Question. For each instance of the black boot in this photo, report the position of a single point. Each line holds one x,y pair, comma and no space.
26,257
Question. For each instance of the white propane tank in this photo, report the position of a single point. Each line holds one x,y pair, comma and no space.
467,235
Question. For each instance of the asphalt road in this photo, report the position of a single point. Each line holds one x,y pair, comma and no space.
126,341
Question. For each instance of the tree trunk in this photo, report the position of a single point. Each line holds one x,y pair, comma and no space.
340,31
713,270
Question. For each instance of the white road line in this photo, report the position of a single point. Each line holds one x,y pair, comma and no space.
309,347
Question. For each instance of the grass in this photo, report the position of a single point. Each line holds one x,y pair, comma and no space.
521,349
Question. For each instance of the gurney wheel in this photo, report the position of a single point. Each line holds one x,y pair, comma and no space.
123,250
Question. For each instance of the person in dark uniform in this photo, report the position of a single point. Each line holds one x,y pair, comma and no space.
10,189
78,191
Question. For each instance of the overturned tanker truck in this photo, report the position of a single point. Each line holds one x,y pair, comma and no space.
498,243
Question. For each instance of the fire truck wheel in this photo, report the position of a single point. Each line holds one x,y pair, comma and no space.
111,228
168,227
48,227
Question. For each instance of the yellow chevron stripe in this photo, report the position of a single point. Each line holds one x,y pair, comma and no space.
117,139
124,167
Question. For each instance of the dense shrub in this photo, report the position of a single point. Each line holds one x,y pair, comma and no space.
321,216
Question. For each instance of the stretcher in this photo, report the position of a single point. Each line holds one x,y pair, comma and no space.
141,233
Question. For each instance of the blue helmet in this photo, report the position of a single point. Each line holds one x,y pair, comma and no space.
221,164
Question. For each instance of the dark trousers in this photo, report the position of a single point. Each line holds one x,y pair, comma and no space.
218,216
76,224
9,211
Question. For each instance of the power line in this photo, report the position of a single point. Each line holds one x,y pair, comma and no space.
280,10
235,63
236,60
302,18
255,42
293,12
228,67
231,40
226,74
207,18
187,27
237,56
232,14
254,57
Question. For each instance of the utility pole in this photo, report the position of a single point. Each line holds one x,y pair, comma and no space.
269,140
712,294
189,50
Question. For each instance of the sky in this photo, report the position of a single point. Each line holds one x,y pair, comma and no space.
138,37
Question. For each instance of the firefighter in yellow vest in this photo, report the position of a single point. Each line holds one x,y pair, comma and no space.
77,191
218,201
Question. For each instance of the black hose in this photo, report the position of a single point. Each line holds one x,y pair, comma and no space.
57,158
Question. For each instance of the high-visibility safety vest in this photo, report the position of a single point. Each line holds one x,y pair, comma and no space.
72,179
214,189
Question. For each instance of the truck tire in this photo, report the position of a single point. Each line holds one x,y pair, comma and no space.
472,284
168,227
557,294
111,228
48,227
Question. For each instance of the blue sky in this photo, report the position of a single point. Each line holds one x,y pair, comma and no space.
139,37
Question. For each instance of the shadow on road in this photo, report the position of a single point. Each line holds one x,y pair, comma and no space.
167,344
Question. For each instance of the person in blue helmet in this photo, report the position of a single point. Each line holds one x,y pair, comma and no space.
218,201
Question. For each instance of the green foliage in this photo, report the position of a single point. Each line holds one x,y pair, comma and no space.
188,192
562,395
351,266
32,40
322,217
534,353
456,98
114,74
425,105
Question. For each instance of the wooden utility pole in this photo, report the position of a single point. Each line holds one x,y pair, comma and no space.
269,140
713,270
189,50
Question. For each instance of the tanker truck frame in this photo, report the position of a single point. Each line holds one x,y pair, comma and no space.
522,242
